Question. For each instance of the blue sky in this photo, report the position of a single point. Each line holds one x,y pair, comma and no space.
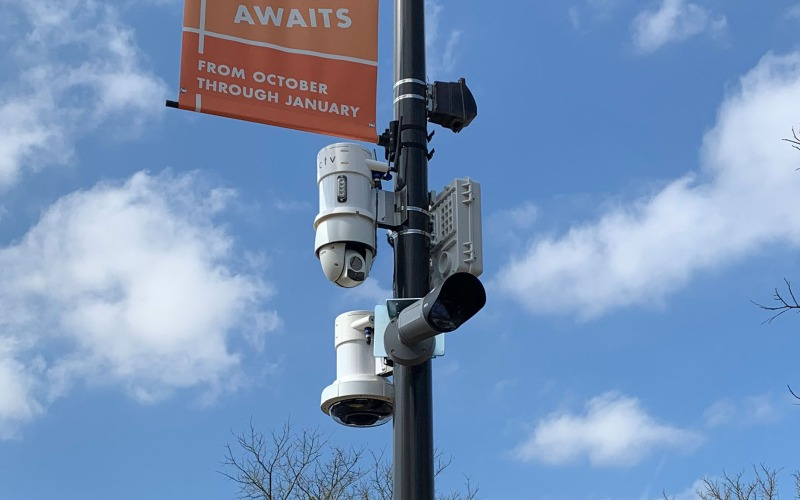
160,289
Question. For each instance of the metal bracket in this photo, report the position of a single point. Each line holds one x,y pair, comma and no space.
384,314
395,306
403,354
429,97
415,231
391,209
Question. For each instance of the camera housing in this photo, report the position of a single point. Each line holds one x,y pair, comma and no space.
346,226
359,397
409,338
345,263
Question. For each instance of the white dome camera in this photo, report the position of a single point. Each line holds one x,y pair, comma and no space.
359,397
346,264
346,224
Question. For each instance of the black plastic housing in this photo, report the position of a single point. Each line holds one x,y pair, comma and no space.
453,105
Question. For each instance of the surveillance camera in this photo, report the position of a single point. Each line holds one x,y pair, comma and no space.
346,224
346,264
364,403
359,397
409,338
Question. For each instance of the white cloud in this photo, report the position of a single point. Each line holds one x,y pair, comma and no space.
604,7
689,493
614,431
720,413
743,200
574,15
369,292
75,66
523,216
793,12
440,56
511,225
674,21
502,387
593,11
754,410
131,285
17,404
293,206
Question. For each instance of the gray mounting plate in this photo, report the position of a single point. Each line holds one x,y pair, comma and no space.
384,315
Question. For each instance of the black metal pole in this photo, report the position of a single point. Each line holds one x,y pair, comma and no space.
413,410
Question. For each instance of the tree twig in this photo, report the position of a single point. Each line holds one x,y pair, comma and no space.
793,394
784,304
795,141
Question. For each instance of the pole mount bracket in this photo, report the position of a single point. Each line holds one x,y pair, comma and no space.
404,354
391,209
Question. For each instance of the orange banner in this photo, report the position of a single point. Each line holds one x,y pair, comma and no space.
304,64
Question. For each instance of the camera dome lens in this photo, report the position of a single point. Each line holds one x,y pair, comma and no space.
362,412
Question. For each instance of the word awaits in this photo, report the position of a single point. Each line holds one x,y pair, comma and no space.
314,19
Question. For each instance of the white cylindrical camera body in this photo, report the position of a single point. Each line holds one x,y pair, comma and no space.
354,356
359,397
346,224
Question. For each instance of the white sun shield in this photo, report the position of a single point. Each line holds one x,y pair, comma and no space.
457,244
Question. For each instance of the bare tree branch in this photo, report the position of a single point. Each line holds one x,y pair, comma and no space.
795,141
378,483
784,303
304,465
767,481
470,494
797,485
794,394
441,462
764,486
